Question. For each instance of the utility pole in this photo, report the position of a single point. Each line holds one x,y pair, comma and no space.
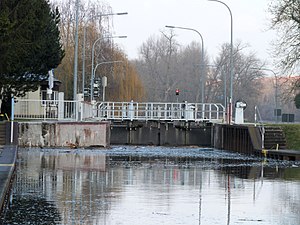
76,54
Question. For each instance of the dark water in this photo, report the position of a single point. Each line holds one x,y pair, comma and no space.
153,185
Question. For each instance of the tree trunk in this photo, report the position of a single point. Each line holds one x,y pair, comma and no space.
6,107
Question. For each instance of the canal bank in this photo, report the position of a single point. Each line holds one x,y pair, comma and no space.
8,155
247,139
267,141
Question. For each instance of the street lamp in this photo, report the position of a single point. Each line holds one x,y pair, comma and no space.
76,53
276,89
113,14
202,58
84,40
231,59
93,53
99,64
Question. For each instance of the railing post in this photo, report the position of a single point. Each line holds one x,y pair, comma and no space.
136,111
109,109
262,128
255,116
45,110
146,111
165,110
81,110
217,113
12,120
131,110
123,110
158,112
60,106
224,113
76,105
203,111
263,138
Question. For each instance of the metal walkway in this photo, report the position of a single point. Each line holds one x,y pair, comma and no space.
154,111
61,110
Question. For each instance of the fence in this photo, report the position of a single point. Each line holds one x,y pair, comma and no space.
52,110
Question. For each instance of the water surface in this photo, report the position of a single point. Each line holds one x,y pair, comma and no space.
153,185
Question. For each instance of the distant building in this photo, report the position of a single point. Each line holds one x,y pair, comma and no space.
284,101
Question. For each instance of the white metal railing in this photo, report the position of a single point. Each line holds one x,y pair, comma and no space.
144,111
52,110
141,111
258,120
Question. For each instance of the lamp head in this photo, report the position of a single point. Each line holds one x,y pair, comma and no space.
122,13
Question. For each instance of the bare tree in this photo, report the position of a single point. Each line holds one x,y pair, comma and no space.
158,56
286,20
189,72
246,80
166,66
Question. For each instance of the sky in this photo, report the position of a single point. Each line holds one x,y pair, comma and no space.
148,18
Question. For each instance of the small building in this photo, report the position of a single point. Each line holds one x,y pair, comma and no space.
39,103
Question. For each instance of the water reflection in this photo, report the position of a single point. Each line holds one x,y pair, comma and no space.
127,185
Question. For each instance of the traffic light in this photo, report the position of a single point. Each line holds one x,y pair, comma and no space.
96,93
177,91
86,92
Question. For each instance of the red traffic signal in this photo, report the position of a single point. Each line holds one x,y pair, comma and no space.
177,91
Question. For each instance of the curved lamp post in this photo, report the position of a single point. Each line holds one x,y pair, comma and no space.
99,64
76,52
202,58
93,53
84,37
231,59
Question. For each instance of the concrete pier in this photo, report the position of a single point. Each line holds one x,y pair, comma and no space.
64,134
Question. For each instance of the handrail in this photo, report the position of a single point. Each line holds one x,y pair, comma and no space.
133,111
162,111
260,125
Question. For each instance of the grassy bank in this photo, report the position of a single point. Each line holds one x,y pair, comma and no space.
292,134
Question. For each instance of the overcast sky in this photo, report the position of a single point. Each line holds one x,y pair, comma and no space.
148,17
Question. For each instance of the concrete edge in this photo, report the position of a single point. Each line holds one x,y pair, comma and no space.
7,167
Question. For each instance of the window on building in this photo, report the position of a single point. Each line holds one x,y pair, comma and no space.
49,99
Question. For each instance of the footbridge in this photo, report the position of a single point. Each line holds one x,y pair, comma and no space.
137,123
155,111
62,110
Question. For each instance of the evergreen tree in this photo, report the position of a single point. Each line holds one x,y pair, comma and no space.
29,46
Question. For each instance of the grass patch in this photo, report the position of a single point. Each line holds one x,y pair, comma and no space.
292,135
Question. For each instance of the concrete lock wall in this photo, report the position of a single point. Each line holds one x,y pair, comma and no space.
160,134
64,134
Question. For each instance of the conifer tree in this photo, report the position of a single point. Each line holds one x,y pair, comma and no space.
29,46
